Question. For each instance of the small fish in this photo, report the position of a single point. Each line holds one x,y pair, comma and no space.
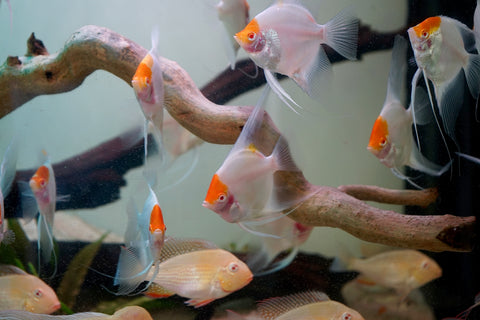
7,174
306,305
201,275
243,189
291,235
22,291
284,38
126,313
234,15
147,83
401,270
145,235
440,47
375,302
391,139
44,189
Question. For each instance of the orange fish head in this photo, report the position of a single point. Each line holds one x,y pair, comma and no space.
251,38
142,79
156,220
234,276
40,179
424,29
379,137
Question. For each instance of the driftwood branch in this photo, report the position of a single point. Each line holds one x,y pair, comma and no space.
92,48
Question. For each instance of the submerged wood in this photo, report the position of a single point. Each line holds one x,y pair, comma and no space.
94,48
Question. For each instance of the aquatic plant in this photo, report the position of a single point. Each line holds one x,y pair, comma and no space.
92,48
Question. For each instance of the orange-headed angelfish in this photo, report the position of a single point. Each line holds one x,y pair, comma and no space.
234,15
42,188
286,39
7,174
440,45
147,83
144,239
243,189
391,139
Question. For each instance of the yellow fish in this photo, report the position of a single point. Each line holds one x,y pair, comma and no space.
22,291
309,305
401,270
202,276
127,313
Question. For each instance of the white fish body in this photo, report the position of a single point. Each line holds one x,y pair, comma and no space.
284,38
243,189
391,139
234,14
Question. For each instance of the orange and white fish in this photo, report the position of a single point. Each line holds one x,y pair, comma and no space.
401,270
43,200
243,189
147,83
201,275
284,38
391,139
145,236
291,235
441,48
305,305
7,174
234,15
22,291
126,313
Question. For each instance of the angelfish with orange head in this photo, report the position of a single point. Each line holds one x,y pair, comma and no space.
391,139
243,189
43,189
286,39
147,83
440,45
144,240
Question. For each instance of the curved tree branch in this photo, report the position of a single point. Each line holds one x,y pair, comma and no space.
92,48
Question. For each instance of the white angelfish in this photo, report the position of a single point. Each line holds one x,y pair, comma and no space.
286,39
391,139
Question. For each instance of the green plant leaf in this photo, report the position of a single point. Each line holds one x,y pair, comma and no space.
76,271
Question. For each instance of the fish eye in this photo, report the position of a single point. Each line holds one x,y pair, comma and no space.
43,183
222,197
233,267
252,36
346,316
424,34
383,142
425,265
38,293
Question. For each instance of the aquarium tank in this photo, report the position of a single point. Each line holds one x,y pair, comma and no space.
230,160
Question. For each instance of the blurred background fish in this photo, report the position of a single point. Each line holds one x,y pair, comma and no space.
400,270
202,275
